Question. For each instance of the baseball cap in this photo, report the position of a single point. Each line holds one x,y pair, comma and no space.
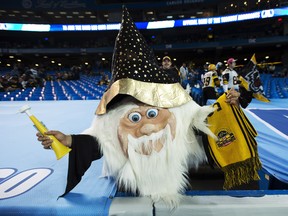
166,57
231,60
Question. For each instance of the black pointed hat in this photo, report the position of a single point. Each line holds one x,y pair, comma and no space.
136,72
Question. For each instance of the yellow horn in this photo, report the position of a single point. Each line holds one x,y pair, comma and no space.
59,149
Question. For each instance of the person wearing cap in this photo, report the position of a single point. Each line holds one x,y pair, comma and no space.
171,70
166,62
219,68
211,81
230,76
231,81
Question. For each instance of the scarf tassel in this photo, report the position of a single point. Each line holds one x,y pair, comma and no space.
241,172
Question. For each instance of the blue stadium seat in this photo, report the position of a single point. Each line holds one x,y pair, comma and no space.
62,97
35,98
6,99
76,97
49,97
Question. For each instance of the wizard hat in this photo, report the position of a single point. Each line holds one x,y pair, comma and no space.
136,72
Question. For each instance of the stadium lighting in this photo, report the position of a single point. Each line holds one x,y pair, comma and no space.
261,14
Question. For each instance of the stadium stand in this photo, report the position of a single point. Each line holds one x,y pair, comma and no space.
85,88
31,180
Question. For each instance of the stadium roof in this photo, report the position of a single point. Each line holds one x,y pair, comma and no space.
103,11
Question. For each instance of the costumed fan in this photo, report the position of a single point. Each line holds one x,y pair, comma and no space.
144,126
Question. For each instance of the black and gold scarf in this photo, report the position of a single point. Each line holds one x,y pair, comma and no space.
235,151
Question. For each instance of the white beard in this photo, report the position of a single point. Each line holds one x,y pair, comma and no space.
161,175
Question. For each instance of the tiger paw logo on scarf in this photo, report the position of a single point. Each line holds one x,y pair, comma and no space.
225,137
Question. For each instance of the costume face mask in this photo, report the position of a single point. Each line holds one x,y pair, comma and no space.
145,127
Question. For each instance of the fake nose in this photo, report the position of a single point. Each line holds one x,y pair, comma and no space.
148,129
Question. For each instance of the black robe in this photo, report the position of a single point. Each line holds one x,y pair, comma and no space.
85,149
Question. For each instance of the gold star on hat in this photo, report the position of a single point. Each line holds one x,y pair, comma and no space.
136,72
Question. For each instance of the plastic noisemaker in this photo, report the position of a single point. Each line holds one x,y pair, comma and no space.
59,149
